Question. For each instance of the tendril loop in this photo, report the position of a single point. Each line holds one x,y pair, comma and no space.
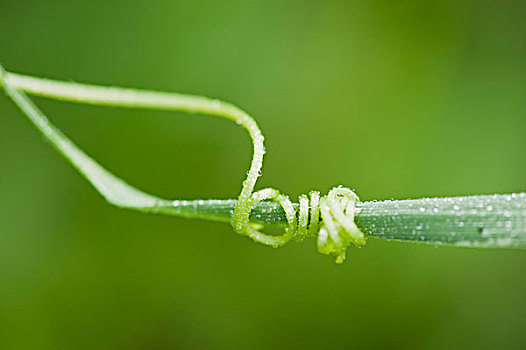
336,231
330,217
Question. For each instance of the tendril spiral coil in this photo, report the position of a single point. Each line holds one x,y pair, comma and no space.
335,232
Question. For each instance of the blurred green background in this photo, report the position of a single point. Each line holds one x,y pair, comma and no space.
397,99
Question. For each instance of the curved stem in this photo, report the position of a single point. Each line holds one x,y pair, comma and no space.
127,98
490,221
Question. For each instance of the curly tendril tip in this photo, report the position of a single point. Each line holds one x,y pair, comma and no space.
336,230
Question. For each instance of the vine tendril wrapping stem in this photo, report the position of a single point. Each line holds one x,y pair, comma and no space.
481,221
336,231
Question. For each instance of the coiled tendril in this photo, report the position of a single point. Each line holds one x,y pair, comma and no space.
337,229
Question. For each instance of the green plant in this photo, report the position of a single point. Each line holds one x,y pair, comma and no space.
337,219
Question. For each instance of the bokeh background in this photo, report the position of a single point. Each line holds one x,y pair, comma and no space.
397,99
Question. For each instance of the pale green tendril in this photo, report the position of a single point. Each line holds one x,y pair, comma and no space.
335,233
330,217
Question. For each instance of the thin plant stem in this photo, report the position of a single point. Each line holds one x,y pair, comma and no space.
488,221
